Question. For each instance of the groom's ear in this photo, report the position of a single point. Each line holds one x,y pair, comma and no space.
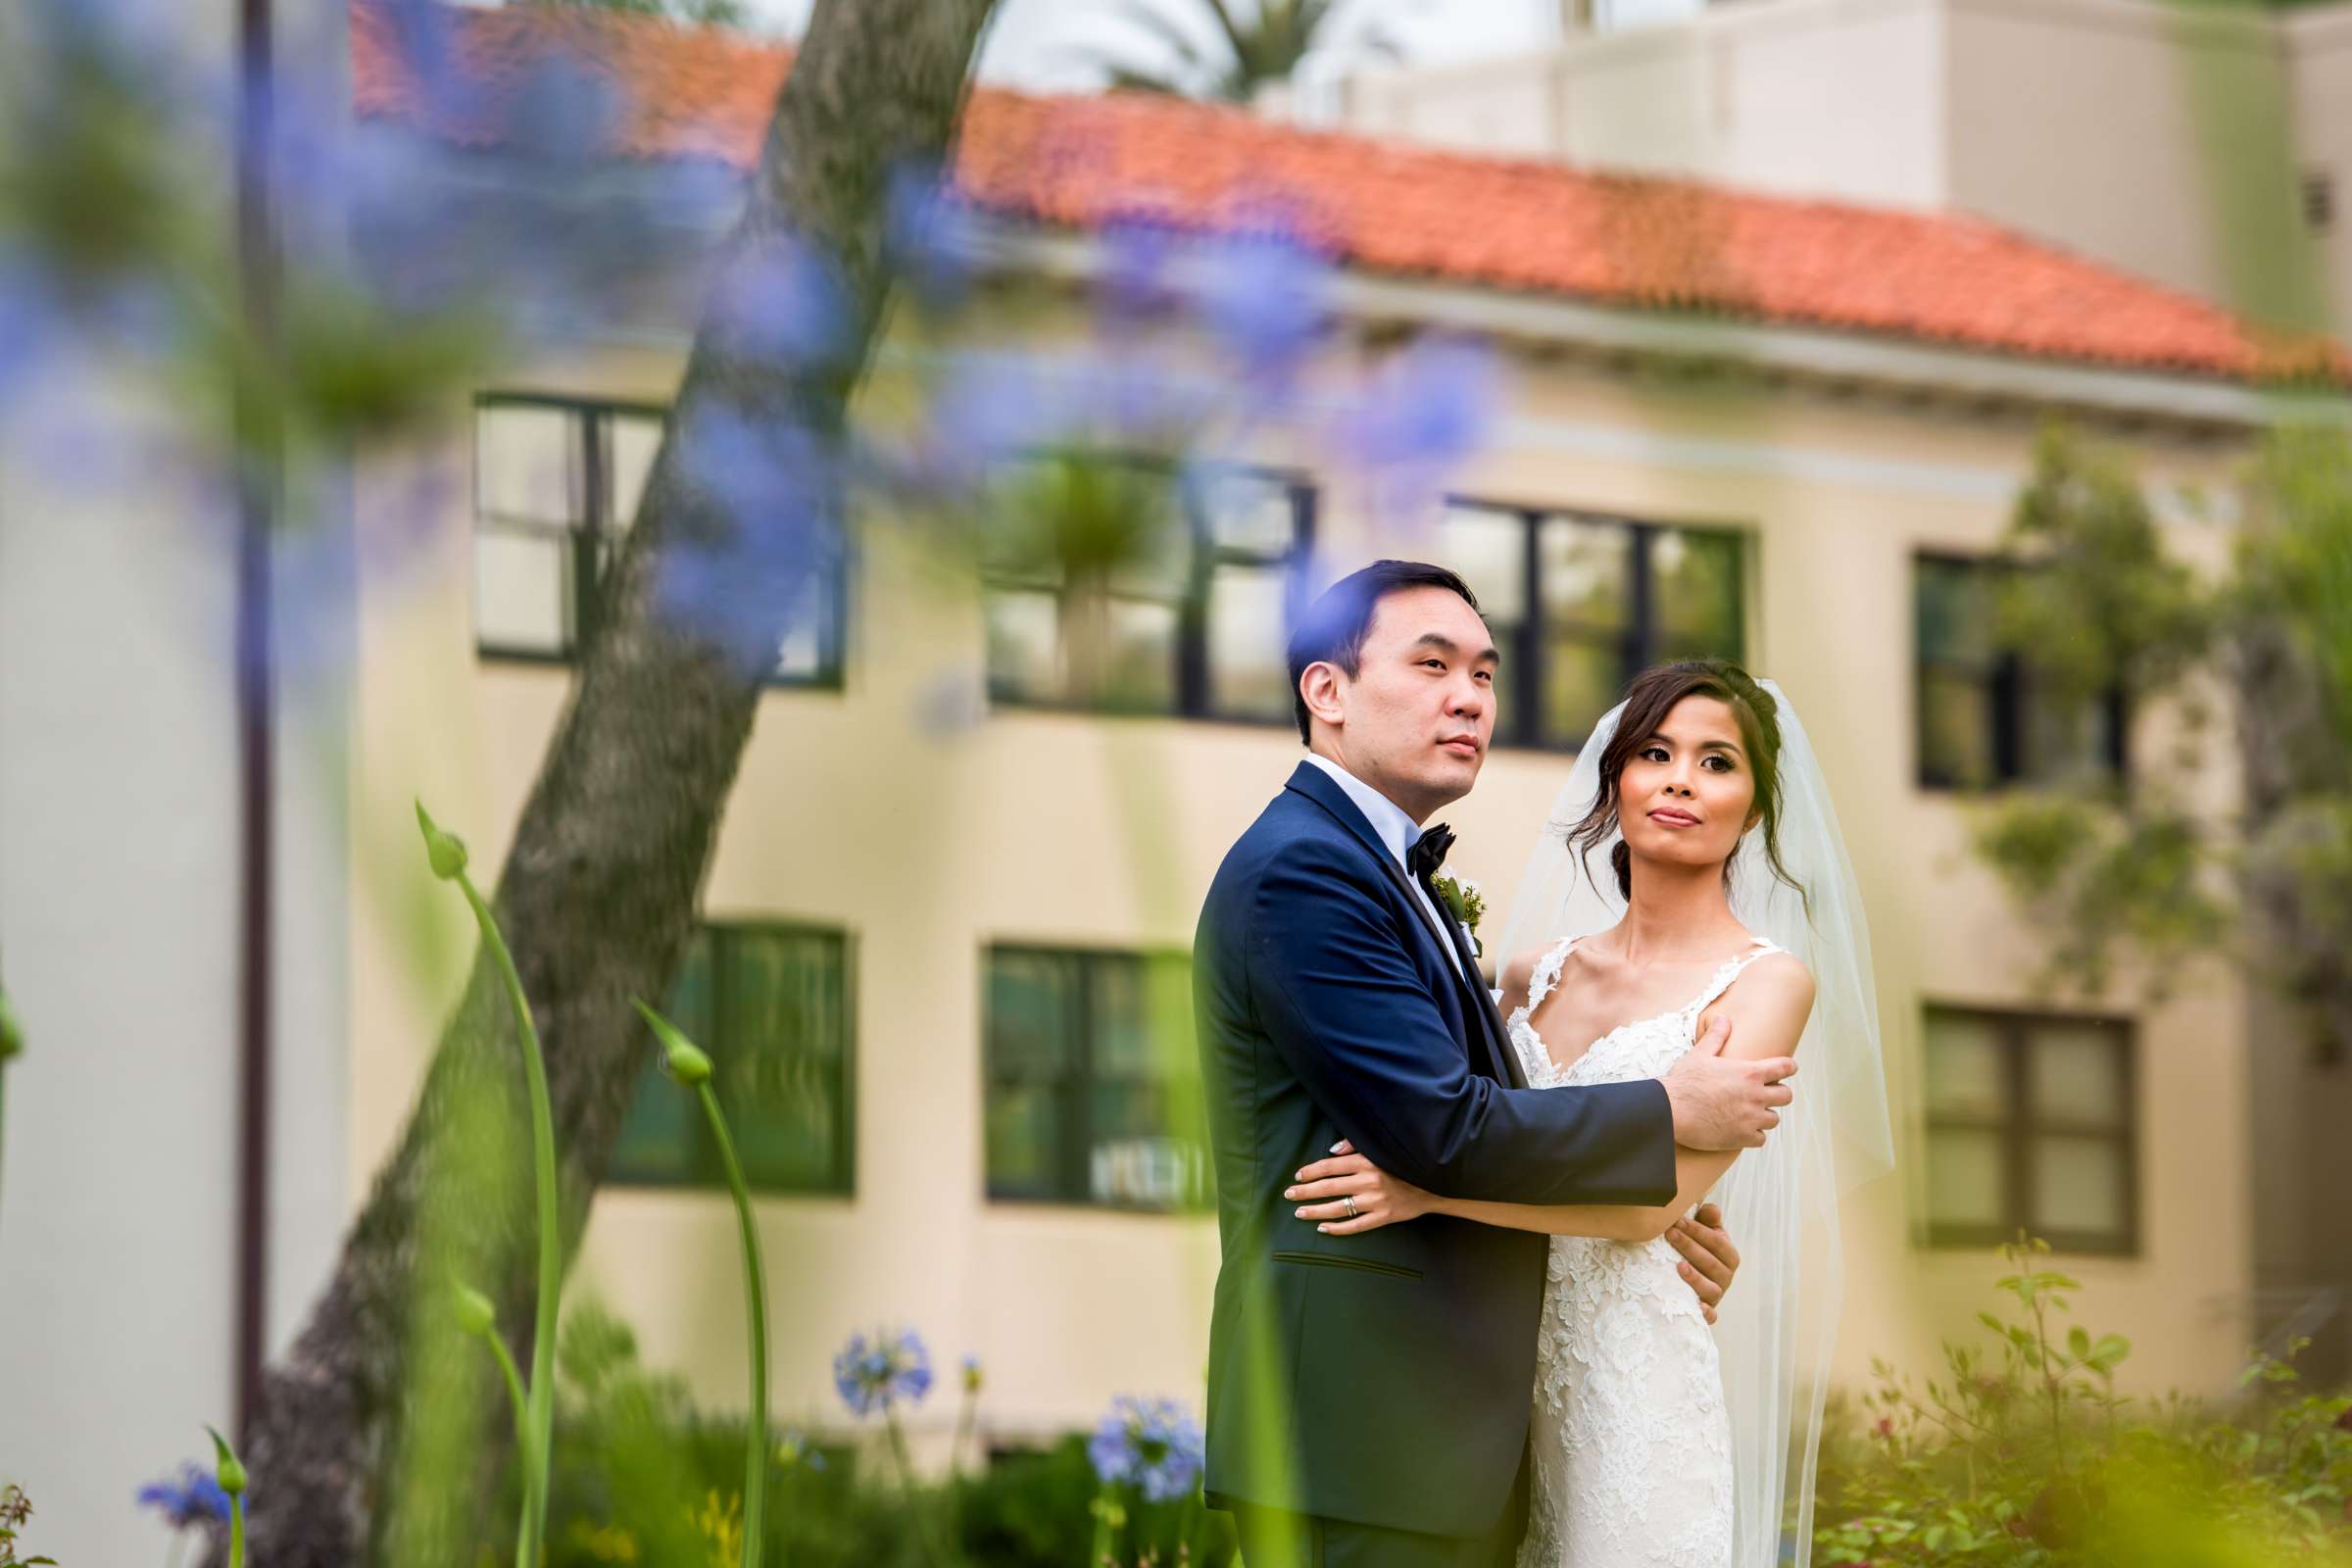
1319,688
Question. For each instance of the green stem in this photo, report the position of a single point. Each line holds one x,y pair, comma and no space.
755,1294
236,1532
538,1449
514,1394
965,1419
915,1502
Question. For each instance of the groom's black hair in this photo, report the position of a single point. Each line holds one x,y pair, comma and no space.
1333,629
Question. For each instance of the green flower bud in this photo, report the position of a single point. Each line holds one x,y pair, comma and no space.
444,852
12,1033
680,1057
231,1473
475,1314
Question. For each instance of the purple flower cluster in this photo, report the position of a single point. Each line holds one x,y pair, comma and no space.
194,1498
1153,1444
877,1374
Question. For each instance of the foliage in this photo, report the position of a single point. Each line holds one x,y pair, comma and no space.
1253,47
2023,1453
2137,866
642,1477
15,1510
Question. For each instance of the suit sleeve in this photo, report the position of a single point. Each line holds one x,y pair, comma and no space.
1338,995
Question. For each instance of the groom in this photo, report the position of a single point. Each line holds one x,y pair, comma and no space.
1368,1395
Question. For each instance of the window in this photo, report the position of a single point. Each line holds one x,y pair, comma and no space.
771,1005
1091,1079
1981,721
2030,1125
1579,605
556,482
2319,200
1193,619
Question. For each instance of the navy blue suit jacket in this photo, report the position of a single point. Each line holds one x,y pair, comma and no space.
1383,1378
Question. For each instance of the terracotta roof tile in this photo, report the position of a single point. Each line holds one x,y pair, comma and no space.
1536,228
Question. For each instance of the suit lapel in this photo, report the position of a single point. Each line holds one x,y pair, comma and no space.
1314,783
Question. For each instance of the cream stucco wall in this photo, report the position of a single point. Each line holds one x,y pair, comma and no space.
1033,826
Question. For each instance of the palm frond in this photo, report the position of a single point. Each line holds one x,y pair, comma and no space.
1156,21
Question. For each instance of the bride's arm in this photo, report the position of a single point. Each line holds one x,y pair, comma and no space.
1767,1010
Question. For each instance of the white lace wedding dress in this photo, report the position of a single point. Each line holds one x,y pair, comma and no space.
1632,1442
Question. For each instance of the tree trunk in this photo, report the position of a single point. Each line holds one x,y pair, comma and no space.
598,895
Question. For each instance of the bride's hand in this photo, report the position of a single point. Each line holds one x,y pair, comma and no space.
1325,1188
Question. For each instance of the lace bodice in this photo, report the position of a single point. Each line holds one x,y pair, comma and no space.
1632,1442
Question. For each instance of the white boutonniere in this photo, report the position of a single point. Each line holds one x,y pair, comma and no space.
1464,902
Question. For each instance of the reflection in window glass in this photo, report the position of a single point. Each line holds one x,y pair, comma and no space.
770,1006
2030,1126
1579,605
1089,1056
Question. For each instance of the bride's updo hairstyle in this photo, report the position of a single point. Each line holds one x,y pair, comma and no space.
1648,702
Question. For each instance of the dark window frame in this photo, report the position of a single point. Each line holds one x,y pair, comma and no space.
1520,723
2021,1125
1193,678
593,537
706,1173
1073,1176
2008,683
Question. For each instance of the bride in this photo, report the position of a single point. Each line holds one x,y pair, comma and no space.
1693,880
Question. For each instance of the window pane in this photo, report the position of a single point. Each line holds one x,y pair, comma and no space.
1582,680
1247,512
1024,645
1024,1137
1584,567
1966,1066
1489,551
1955,729
528,463
1952,613
1964,1178
2077,1075
1248,637
522,593
781,1076
1139,669
662,1132
809,633
635,437
1032,1007
1696,575
2079,1186
1143,1172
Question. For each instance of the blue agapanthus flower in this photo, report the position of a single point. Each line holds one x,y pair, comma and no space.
1155,1445
194,1498
886,1370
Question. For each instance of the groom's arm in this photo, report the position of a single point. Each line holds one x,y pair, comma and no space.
1341,1001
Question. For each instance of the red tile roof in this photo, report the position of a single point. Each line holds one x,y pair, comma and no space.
1533,227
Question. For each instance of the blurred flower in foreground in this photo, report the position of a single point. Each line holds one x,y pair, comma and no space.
971,1373
883,1372
1154,1443
795,1450
194,1498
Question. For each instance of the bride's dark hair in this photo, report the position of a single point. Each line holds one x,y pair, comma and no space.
1648,702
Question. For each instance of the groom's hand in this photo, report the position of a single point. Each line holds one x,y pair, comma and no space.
1709,1260
1718,1105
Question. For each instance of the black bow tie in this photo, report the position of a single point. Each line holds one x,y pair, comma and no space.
1429,851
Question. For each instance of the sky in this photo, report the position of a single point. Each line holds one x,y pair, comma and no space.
1041,44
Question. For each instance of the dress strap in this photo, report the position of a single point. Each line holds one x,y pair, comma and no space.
1547,974
1729,973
